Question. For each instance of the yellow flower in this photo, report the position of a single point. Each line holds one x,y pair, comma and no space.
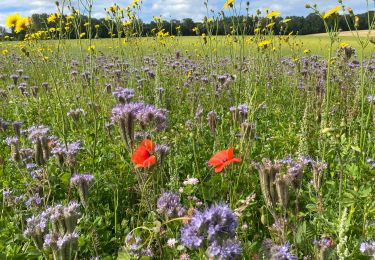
97,26
257,30
265,43
286,20
306,51
344,44
156,18
128,23
91,48
270,25
22,24
82,35
5,52
178,27
12,20
210,20
52,18
273,14
52,30
112,9
332,11
228,3
86,24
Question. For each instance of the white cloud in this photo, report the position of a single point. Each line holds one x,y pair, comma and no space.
179,9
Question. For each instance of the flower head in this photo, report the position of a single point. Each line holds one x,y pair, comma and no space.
169,204
228,3
222,159
273,14
332,11
142,155
12,19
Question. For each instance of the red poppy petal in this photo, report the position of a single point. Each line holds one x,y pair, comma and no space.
230,153
149,162
220,168
140,155
149,145
235,160
218,158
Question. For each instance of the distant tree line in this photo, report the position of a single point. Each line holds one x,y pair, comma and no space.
310,24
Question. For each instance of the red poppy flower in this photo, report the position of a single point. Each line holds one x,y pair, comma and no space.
222,159
142,155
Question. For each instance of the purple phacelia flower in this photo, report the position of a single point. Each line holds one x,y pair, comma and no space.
124,95
169,204
371,162
76,113
228,249
82,182
221,222
368,248
36,133
216,224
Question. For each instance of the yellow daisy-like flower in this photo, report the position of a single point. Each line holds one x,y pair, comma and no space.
5,52
344,44
286,20
112,9
52,30
91,48
52,18
332,11
264,44
22,24
306,51
82,35
273,14
12,20
228,3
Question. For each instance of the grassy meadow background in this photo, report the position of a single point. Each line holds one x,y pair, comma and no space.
298,110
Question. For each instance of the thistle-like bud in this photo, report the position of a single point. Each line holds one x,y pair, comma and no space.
17,127
267,173
82,182
13,142
212,118
38,152
282,190
318,170
162,151
71,215
247,131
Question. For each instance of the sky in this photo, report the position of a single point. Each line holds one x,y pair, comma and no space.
177,9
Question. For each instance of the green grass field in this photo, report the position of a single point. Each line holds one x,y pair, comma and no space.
187,148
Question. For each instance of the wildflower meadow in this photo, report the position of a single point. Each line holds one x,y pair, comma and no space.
255,144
